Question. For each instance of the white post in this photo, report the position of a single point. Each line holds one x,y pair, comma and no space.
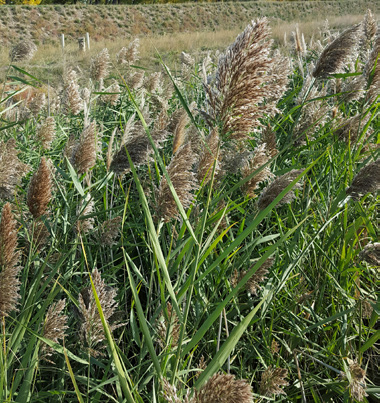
88,40
63,41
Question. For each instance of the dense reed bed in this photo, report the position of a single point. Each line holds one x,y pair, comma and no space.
204,235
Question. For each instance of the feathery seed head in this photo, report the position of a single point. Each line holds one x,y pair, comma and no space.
138,147
46,132
352,127
110,231
72,99
271,381
209,157
369,25
37,103
11,169
180,131
248,81
84,153
136,80
269,138
114,95
366,181
187,59
169,393
92,330
24,50
338,53
171,325
100,65
253,284
129,55
223,388
277,186
39,191
9,260
154,82
183,180
357,384
85,225
259,158
54,327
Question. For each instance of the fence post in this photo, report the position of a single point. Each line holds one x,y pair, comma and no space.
63,41
88,40
82,44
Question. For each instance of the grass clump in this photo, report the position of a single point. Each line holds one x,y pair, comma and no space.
183,235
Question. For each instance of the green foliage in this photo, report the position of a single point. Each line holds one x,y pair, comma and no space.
317,300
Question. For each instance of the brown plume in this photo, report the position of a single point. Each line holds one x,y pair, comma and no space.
183,180
39,191
9,261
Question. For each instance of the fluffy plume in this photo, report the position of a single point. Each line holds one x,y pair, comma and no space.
11,169
171,325
209,157
46,132
248,81
183,180
187,65
110,231
372,73
338,53
136,80
351,129
92,331
100,65
371,254
9,260
129,55
271,381
223,388
86,207
187,59
24,50
37,103
138,146
114,95
84,153
72,100
154,82
274,347
39,191
180,131
277,186
268,138
54,327
353,89
86,95
234,159
169,393
366,181
259,158
299,42
357,384
253,284
370,25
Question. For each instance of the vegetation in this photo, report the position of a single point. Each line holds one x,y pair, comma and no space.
200,236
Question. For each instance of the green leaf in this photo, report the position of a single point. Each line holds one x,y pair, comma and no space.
75,178
370,342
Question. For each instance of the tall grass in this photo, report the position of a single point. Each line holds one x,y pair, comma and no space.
240,266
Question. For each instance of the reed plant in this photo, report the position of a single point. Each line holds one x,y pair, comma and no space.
200,235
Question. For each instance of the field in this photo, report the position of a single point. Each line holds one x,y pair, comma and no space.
201,228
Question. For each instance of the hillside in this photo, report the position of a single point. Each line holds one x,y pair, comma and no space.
44,24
